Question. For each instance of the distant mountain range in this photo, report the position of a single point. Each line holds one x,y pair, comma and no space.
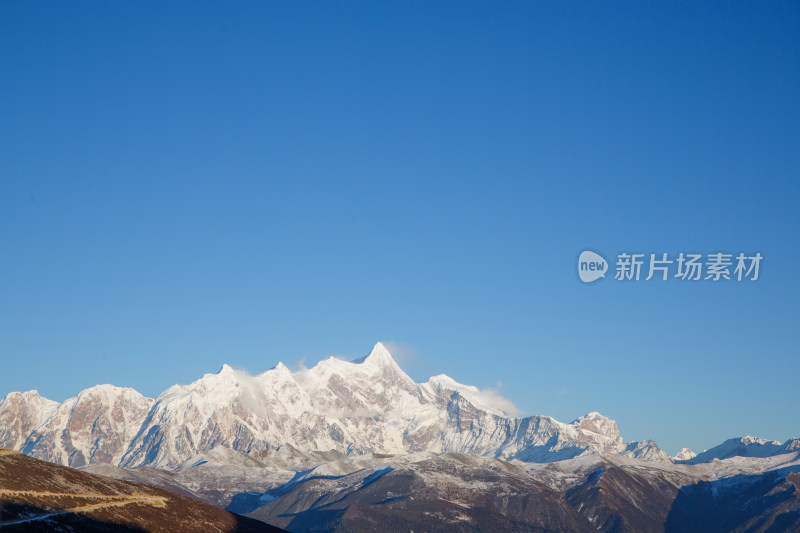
348,407
358,445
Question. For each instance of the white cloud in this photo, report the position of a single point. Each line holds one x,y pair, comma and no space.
488,398
251,396
403,354
491,398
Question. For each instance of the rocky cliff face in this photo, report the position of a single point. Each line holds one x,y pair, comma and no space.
94,427
20,413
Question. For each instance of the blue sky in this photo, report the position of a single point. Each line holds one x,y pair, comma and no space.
185,185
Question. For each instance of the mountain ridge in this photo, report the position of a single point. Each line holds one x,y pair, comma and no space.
350,407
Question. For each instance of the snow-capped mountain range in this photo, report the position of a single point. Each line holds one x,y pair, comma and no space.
352,408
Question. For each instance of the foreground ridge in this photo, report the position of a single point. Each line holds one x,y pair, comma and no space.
41,496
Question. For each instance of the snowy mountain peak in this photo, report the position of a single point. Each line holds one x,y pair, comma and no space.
747,446
487,399
593,419
226,374
281,369
684,455
792,445
30,399
440,380
20,413
226,369
597,423
108,390
749,439
28,396
646,450
380,356
593,414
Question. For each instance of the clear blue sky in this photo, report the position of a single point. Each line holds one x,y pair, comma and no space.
183,185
